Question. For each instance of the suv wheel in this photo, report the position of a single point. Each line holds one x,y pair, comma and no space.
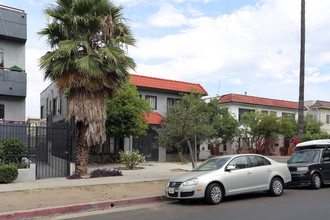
316,181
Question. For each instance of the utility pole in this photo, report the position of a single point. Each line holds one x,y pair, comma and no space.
302,73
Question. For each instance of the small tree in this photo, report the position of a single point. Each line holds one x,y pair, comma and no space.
126,113
187,119
258,127
225,125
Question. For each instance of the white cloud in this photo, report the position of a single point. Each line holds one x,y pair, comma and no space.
167,16
254,42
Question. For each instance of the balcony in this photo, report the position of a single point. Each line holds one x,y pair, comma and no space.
12,24
12,82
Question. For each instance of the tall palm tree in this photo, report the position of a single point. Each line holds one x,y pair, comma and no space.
302,73
88,42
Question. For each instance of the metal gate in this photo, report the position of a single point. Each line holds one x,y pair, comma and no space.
49,147
147,145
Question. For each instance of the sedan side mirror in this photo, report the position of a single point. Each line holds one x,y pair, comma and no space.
230,168
325,159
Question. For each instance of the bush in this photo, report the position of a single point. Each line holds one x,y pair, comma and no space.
74,176
8,173
12,150
105,172
131,159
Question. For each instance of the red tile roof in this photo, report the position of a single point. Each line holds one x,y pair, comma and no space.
166,84
154,118
258,101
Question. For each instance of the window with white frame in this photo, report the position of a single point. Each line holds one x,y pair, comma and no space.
153,101
242,111
327,119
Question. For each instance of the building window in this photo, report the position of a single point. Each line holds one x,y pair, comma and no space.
273,112
312,116
242,111
41,112
171,102
328,119
153,101
2,112
225,147
2,59
55,106
264,112
285,114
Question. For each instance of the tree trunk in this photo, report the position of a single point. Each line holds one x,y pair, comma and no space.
191,154
82,149
302,73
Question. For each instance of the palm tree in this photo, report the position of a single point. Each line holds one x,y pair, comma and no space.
302,73
88,42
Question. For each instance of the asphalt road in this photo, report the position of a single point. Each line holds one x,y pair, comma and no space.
300,204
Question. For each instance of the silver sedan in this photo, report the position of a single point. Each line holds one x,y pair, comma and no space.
230,175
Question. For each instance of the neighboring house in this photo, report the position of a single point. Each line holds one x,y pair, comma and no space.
239,104
160,93
320,111
12,65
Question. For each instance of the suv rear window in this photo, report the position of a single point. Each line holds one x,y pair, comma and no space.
305,156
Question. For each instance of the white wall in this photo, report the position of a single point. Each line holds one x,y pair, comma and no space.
14,108
14,53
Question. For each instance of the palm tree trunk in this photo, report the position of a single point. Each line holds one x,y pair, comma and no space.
302,73
82,149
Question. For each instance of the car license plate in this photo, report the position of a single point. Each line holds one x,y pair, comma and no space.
171,190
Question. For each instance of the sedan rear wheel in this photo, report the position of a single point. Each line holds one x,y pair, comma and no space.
276,187
316,181
214,194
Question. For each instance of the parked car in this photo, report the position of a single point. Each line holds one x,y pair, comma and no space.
230,175
310,164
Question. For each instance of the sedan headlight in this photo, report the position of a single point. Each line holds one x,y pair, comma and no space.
190,182
302,168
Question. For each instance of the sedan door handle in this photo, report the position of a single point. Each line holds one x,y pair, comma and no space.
249,172
269,170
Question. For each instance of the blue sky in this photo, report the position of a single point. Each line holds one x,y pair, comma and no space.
227,46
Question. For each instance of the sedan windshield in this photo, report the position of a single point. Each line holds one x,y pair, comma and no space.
212,164
310,156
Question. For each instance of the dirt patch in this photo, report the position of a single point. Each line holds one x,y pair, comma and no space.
32,199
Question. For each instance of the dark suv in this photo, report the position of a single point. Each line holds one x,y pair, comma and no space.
310,164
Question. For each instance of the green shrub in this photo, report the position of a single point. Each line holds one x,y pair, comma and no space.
8,173
12,150
131,159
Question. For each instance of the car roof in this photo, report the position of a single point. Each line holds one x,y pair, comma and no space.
314,144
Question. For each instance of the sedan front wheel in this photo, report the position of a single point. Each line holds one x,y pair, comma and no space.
214,194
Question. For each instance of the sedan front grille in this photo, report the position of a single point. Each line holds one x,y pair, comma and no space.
175,184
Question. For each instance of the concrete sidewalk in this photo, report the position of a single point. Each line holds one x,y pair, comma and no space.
152,171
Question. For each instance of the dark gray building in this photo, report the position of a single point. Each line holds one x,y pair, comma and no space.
13,35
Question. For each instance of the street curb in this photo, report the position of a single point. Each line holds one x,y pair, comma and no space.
79,207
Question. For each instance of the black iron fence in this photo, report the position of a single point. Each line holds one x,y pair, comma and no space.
49,146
